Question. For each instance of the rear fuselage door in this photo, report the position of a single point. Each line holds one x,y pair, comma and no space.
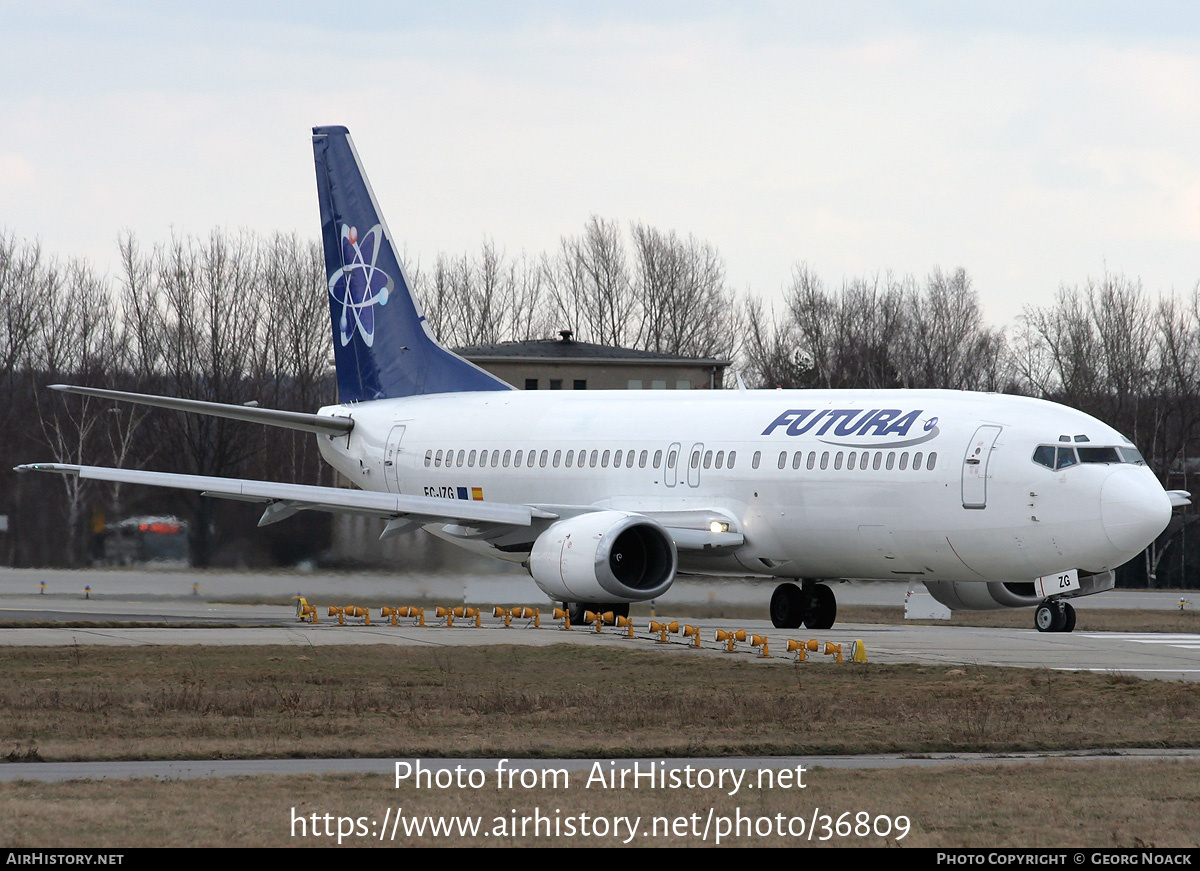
975,466
391,460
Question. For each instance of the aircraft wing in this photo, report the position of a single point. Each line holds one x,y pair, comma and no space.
691,530
287,499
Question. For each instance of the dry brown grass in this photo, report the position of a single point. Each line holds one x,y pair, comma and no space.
1073,804
189,702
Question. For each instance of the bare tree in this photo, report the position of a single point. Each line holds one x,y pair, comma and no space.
590,288
686,307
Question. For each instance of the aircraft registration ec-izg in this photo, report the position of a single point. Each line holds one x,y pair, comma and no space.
991,501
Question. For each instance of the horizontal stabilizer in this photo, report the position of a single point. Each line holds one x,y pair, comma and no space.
1179,498
269,416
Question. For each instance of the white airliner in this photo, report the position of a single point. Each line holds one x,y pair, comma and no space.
991,501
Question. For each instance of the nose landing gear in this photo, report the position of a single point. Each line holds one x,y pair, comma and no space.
1054,615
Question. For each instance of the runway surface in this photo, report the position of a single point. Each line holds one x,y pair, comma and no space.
201,599
210,602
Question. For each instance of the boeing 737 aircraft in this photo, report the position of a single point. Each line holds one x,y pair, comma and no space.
991,501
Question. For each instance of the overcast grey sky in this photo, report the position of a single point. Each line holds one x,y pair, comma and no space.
1034,144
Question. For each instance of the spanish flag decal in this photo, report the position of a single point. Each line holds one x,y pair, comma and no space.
477,494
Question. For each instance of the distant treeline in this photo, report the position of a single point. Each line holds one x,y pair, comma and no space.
239,317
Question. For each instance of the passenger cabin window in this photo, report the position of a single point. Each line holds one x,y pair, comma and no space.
754,461
732,457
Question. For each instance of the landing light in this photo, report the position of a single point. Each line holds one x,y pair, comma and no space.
718,526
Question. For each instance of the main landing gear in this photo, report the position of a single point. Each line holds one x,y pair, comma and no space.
1054,615
812,605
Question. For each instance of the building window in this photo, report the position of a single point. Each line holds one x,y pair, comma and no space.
556,384
531,384
683,385
635,384
580,384
658,385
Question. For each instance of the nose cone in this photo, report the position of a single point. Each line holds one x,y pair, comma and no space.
1133,508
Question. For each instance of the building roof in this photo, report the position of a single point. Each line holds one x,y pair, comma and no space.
566,348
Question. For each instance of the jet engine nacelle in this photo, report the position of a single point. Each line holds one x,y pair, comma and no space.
966,596
604,556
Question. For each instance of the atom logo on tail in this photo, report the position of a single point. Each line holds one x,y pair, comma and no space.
359,285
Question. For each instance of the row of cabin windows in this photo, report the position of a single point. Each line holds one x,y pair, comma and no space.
709,459
604,459
861,460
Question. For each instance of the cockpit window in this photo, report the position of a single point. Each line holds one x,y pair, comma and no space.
1054,458
1066,457
1061,456
1132,455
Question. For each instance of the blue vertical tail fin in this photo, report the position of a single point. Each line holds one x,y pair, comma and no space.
383,347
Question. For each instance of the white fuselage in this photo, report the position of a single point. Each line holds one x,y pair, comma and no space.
903,484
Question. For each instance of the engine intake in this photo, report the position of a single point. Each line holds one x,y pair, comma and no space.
604,556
